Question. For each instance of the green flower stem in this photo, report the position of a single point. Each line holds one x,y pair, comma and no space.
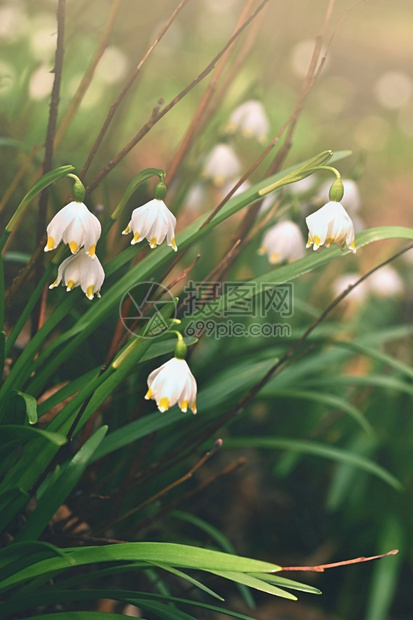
180,348
78,191
37,188
140,178
316,163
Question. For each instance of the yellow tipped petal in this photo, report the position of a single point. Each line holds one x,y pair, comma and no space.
274,258
219,180
50,244
135,238
89,291
126,231
261,250
73,247
70,285
55,283
193,407
92,250
352,247
153,242
163,404
183,406
309,241
149,394
173,244
316,241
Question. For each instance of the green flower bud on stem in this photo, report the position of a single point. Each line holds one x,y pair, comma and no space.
180,347
336,192
160,190
78,191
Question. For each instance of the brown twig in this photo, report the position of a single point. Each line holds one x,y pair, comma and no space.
165,490
161,113
197,120
229,469
115,105
50,134
322,567
88,76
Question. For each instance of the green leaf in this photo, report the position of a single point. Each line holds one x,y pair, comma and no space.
252,582
182,556
29,403
288,583
331,400
56,494
222,541
188,578
316,449
78,615
16,432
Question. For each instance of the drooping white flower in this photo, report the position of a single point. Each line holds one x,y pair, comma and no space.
81,270
283,242
330,224
250,119
172,383
153,221
385,282
76,226
351,199
222,165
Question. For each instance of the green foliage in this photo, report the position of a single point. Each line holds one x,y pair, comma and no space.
102,496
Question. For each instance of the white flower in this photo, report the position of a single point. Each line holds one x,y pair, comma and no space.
76,226
81,270
172,383
222,165
283,242
153,221
358,294
250,119
385,282
330,224
351,200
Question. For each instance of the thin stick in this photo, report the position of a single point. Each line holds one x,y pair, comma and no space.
165,490
54,106
126,88
158,114
196,122
48,153
88,76
322,567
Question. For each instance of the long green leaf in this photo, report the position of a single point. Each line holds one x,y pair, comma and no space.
182,556
319,397
252,582
191,580
316,449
